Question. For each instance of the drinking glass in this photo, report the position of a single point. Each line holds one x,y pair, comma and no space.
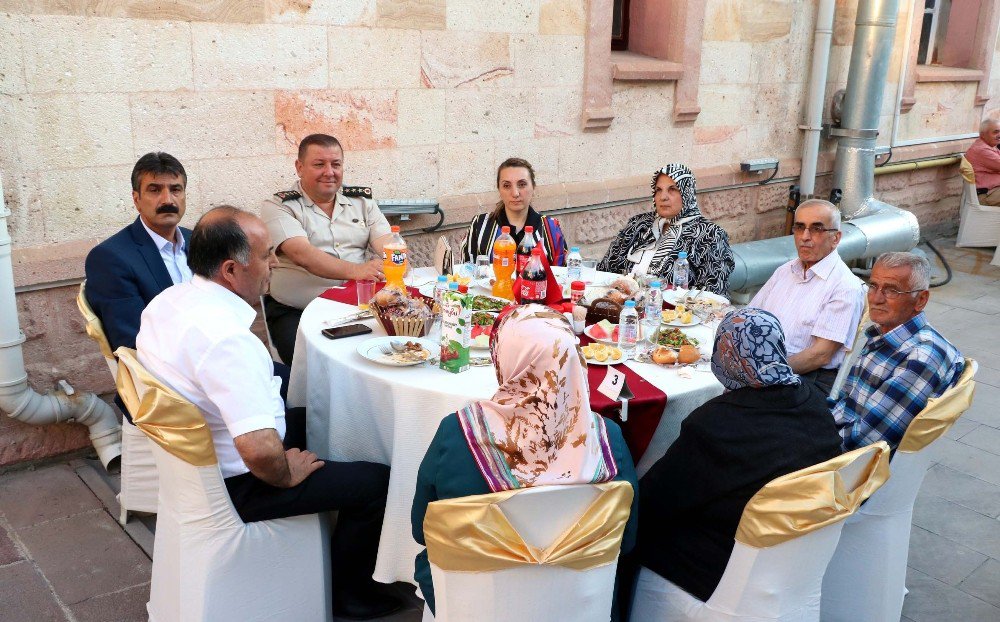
588,271
483,267
366,291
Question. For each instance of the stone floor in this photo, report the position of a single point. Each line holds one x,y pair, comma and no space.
64,557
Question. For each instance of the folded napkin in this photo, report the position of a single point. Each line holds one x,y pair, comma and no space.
443,257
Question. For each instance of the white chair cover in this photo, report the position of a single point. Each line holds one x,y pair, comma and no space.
979,225
530,592
210,566
775,583
866,579
139,481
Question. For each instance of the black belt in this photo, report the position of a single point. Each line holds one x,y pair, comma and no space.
982,190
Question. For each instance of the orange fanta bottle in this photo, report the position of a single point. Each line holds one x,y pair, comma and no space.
394,260
504,263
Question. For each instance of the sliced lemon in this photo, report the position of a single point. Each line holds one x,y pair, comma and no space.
601,356
615,354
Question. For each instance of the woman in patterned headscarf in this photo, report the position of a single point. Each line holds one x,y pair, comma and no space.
768,423
649,242
536,430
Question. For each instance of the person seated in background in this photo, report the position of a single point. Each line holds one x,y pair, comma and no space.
984,156
904,362
815,296
516,185
325,234
528,433
195,337
768,423
131,267
650,242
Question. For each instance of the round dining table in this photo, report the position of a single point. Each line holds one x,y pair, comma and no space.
362,410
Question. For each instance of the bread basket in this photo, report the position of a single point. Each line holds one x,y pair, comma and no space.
402,326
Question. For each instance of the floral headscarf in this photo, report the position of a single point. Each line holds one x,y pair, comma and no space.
750,351
538,428
684,179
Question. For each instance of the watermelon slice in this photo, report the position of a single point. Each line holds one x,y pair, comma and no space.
604,331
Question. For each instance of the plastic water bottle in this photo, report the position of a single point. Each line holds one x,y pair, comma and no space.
652,312
628,330
682,271
574,265
440,286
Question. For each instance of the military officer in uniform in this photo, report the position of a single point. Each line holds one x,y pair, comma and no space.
324,234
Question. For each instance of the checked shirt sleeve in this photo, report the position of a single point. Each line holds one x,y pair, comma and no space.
899,398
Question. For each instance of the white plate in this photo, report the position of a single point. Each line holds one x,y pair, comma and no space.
695,320
371,349
673,296
610,342
607,362
427,289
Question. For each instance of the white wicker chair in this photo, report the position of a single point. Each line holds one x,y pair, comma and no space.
979,225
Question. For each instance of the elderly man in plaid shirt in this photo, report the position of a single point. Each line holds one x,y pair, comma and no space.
905,361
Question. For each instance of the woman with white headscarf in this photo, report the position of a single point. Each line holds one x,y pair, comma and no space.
537,429
768,423
650,242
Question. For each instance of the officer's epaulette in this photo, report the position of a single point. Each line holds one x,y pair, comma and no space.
287,195
357,191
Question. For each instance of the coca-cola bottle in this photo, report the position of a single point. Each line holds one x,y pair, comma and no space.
525,247
534,278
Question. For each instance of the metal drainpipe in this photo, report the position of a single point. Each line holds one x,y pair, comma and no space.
875,227
813,123
18,399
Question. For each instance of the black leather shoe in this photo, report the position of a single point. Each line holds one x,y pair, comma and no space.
367,604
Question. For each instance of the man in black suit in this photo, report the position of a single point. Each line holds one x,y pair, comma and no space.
131,267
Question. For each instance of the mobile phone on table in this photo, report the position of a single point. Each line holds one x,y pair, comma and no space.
346,331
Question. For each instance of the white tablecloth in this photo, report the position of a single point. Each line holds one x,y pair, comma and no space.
360,410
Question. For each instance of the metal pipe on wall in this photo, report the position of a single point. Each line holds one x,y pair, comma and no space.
18,399
813,122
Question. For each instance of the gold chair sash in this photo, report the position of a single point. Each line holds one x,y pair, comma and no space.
941,412
802,502
968,173
95,330
168,419
472,534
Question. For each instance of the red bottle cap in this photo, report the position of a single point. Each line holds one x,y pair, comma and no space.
463,289
578,285
505,229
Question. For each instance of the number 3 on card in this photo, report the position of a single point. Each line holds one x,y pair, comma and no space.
611,386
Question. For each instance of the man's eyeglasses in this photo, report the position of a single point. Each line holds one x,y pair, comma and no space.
814,229
890,293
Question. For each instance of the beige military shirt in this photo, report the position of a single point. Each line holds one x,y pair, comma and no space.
355,224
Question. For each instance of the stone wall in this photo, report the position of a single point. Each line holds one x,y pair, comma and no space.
428,97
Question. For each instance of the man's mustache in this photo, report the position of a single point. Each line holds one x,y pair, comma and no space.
168,209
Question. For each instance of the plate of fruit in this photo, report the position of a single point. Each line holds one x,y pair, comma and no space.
603,332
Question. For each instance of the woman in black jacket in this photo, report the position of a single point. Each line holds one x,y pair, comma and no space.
768,423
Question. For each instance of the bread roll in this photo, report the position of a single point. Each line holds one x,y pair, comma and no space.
688,354
664,356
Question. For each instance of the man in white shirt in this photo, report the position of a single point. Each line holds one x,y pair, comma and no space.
196,338
815,296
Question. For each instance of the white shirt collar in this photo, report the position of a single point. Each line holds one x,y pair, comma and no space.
243,311
161,241
821,268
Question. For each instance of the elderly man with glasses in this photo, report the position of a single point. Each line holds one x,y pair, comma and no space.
904,362
815,296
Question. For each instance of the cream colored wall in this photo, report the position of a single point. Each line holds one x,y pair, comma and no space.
427,95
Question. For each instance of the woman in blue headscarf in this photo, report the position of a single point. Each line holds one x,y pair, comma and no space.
767,423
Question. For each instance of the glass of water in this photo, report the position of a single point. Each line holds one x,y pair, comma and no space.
588,270
483,267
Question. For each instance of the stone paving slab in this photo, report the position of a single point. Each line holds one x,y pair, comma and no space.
984,583
8,550
25,597
958,524
52,492
965,490
931,600
85,556
128,605
941,558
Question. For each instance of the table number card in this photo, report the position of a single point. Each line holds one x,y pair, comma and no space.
612,384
